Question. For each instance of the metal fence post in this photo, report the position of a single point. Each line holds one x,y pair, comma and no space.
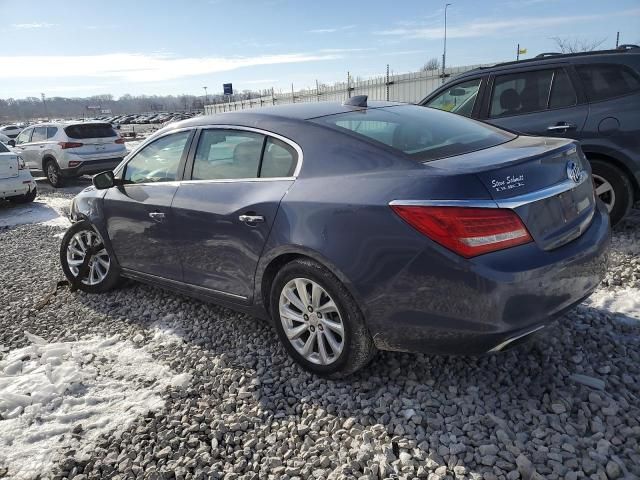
387,82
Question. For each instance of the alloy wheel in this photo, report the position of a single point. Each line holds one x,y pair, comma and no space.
83,243
311,321
605,191
52,173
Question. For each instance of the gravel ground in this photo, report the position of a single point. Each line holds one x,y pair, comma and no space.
565,407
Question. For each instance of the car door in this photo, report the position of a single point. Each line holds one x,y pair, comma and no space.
37,146
224,212
137,211
541,101
22,147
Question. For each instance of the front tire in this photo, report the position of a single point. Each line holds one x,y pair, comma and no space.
614,188
96,274
318,321
53,173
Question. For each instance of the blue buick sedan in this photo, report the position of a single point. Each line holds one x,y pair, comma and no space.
352,227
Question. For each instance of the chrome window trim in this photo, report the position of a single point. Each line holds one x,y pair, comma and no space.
153,138
511,203
286,140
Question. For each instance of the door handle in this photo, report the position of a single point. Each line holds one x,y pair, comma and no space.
560,127
251,218
41,146
157,216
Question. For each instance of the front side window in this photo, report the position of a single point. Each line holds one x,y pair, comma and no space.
422,133
279,159
24,137
158,161
608,81
521,92
227,154
459,98
39,134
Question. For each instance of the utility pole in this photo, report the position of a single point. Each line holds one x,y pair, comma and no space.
617,39
206,98
444,51
44,104
518,53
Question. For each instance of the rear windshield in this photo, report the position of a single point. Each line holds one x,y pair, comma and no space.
90,130
422,133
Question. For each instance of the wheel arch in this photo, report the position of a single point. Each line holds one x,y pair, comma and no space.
269,267
617,162
45,158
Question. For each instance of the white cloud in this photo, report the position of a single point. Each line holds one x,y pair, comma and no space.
331,29
133,67
32,25
481,28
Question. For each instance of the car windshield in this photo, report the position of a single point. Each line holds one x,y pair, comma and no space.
422,133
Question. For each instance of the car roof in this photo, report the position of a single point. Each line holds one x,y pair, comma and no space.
292,111
547,58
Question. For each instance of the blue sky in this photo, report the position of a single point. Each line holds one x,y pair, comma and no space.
80,48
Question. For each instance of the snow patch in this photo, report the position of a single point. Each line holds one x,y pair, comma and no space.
49,212
623,303
56,397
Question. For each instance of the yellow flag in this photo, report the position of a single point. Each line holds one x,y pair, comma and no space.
522,51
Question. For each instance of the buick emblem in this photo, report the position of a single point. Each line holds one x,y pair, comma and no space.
574,171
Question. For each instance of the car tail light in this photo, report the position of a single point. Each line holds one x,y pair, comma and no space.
120,140
21,164
65,145
467,231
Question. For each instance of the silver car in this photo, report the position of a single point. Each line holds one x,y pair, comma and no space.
63,150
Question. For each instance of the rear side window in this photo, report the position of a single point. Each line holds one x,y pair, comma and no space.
227,154
90,130
422,133
279,159
608,80
39,134
521,92
562,92
51,132
459,98
533,91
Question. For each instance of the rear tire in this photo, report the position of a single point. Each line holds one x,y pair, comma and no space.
53,173
613,187
26,198
102,275
346,346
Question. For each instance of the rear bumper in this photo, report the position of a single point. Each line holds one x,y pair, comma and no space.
15,186
90,167
495,298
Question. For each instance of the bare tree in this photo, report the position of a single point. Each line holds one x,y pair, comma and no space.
432,64
576,45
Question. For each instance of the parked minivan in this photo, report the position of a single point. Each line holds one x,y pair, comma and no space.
591,97
70,149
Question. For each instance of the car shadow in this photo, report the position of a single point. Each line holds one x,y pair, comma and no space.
421,401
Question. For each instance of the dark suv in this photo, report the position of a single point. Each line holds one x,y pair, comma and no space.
592,97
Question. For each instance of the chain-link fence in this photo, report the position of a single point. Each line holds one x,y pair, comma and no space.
406,87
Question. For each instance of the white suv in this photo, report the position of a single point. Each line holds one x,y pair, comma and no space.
70,149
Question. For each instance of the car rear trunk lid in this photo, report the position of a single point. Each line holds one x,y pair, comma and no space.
98,139
546,181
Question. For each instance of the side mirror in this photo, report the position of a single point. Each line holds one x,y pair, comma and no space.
11,143
104,180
